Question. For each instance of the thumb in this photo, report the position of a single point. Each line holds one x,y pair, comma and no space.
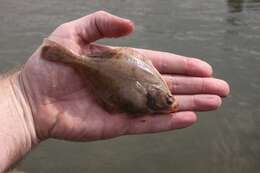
100,25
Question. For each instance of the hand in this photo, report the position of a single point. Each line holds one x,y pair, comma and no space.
62,107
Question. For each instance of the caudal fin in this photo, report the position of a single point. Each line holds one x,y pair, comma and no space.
53,51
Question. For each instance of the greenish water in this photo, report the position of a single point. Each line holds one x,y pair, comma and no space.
224,33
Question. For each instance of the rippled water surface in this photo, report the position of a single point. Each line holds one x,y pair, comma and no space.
224,33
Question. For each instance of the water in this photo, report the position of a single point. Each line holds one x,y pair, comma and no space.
224,33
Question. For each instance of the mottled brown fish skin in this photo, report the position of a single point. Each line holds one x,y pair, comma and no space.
122,78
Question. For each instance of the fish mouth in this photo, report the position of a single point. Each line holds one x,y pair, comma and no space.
172,103
174,107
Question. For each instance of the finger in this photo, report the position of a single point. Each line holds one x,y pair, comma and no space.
175,64
196,85
101,24
159,123
198,102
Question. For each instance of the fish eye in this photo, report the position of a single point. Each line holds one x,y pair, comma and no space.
169,99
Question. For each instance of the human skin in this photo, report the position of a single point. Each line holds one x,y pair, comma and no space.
49,100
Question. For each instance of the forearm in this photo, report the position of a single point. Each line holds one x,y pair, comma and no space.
17,132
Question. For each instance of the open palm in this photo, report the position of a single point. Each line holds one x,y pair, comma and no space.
63,106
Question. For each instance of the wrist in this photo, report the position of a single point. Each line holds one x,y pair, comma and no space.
17,132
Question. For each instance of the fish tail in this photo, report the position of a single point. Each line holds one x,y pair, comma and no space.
53,51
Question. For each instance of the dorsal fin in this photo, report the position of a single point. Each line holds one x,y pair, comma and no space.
99,51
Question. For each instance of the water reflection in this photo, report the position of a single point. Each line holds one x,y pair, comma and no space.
234,8
235,5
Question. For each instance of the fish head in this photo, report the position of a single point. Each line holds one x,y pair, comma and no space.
160,100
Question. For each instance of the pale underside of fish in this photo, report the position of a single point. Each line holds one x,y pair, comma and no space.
121,78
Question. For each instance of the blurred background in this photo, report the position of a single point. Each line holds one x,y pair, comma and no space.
225,33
